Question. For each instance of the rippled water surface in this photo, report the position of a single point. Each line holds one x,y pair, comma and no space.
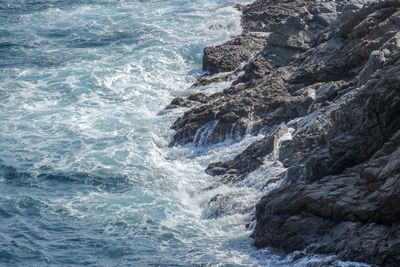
86,175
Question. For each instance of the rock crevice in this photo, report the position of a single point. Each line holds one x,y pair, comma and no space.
329,70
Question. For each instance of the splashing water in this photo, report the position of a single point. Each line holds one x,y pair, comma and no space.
86,175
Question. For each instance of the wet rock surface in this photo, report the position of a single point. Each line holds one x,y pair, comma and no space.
330,71
229,56
250,159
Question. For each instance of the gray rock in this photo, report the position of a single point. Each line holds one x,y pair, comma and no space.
250,159
190,101
346,159
327,92
226,204
379,58
229,56
330,69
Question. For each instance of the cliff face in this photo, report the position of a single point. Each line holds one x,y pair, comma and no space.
330,70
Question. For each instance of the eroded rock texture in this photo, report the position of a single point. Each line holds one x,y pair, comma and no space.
330,70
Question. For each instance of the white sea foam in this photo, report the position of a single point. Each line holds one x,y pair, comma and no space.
87,153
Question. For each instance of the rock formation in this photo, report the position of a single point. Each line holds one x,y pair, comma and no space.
330,70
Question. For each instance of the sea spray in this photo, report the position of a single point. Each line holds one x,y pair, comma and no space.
86,174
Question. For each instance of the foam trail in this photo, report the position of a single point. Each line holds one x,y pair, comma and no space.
86,174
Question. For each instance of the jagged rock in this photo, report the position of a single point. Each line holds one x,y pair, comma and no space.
342,56
349,131
327,92
272,99
342,200
198,97
229,56
379,58
330,69
210,79
250,159
267,104
226,204
189,101
179,102
353,215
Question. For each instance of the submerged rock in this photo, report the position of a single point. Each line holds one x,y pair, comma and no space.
251,158
226,204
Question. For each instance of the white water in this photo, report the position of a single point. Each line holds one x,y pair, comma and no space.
86,174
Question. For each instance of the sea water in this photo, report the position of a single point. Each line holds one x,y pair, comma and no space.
86,174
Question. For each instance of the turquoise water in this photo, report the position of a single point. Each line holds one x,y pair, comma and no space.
86,175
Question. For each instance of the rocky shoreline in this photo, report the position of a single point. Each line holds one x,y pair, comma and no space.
330,72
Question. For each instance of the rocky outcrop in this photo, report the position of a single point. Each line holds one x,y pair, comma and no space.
345,214
330,71
191,100
229,56
344,198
